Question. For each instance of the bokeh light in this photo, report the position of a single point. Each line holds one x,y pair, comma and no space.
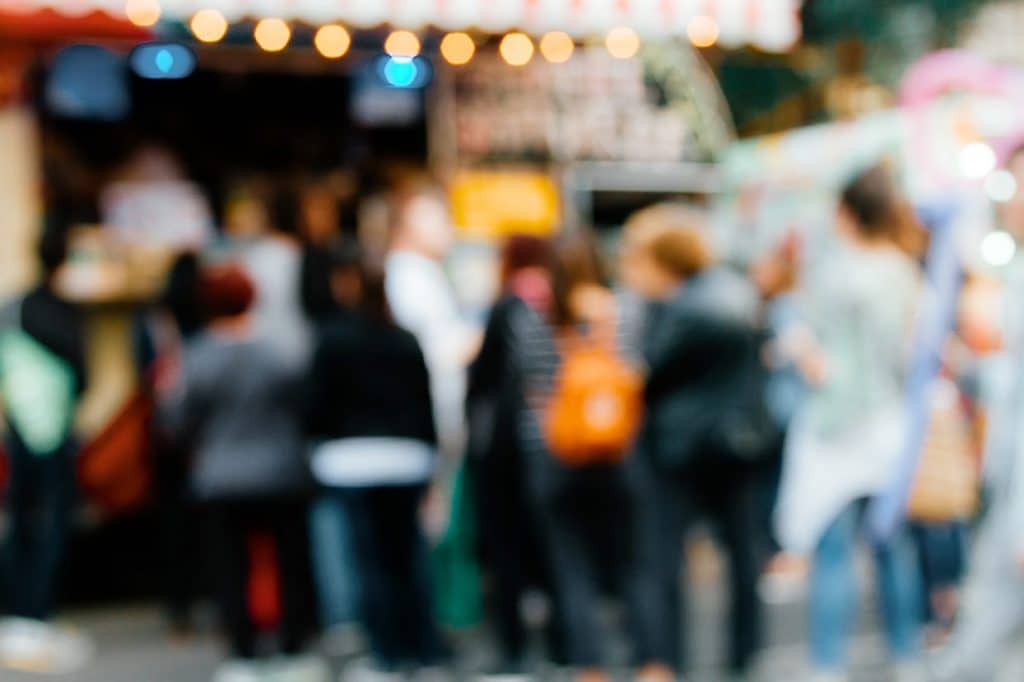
401,72
402,44
516,49
977,160
208,25
702,31
142,13
332,41
998,248
272,34
622,42
557,47
458,48
1001,186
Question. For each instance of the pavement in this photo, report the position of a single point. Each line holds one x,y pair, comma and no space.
132,643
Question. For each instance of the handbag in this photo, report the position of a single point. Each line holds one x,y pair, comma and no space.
946,486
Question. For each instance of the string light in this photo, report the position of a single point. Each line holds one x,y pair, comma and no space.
458,48
402,44
208,25
142,13
272,34
622,42
557,47
332,41
703,31
516,49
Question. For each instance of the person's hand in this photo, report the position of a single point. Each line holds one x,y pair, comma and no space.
814,367
167,373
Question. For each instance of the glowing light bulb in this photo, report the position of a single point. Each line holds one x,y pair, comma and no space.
208,25
557,47
516,49
402,44
702,31
622,42
977,160
142,13
332,41
998,248
272,34
458,48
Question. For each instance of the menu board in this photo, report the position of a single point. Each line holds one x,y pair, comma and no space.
592,107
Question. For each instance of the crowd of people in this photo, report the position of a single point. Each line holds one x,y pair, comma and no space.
334,420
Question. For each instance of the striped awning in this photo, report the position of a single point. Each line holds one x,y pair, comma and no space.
769,24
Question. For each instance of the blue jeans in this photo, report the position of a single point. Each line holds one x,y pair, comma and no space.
833,598
40,502
334,562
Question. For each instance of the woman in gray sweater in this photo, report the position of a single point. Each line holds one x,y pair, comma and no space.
236,404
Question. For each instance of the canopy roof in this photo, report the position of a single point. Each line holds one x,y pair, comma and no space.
769,24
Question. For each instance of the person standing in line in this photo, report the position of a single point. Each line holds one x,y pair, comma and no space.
508,533
269,251
42,379
700,345
846,440
584,509
235,399
369,407
423,301
991,614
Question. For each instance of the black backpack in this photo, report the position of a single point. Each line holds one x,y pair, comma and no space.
741,427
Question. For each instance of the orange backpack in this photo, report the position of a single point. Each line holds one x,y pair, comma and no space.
596,407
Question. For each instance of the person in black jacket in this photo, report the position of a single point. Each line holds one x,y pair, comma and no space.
699,337
42,378
508,537
369,409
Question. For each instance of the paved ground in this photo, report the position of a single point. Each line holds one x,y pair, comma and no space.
132,644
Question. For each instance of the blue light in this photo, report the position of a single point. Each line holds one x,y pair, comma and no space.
400,72
164,61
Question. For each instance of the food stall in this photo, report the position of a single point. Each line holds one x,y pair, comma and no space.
532,109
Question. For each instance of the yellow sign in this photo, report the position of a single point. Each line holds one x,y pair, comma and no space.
492,204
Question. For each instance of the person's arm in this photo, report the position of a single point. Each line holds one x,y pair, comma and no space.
317,411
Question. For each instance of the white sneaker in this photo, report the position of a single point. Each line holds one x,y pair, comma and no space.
35,646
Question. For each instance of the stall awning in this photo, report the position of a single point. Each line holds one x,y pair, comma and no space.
769,24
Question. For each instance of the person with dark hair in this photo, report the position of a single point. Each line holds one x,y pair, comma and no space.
235,401
42,379
272,258
369,412
703,365
845,442
582,509
508,535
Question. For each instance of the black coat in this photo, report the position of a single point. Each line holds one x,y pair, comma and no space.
368,379
698,347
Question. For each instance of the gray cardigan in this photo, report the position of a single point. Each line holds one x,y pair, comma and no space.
238,407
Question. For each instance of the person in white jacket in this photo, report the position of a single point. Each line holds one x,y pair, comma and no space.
423,301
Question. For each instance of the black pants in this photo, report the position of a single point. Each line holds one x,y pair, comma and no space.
231,526
510,546
587,528
391,553
179,534
726,494
41,499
